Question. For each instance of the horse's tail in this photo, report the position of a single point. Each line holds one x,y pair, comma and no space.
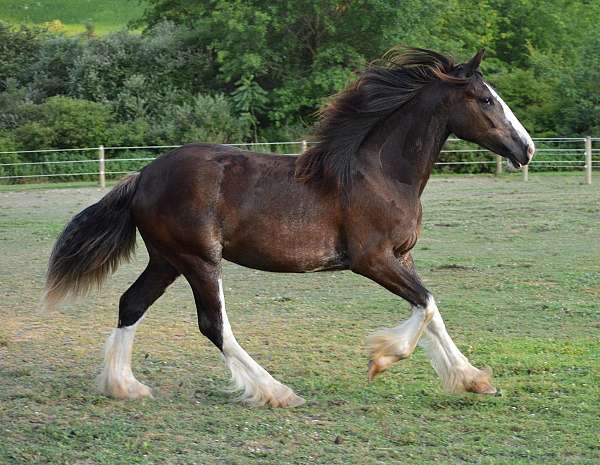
92,245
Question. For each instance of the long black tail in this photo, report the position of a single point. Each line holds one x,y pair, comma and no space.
92,245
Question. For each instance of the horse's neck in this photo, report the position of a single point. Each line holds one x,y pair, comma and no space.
406,146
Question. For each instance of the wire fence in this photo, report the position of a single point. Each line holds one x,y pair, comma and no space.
110,162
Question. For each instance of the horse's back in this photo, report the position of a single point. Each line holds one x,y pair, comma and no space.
247,207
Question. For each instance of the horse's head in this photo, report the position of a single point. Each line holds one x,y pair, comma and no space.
478,114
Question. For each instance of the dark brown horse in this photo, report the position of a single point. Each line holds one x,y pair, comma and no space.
350,202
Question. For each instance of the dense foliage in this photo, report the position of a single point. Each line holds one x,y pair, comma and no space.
229,71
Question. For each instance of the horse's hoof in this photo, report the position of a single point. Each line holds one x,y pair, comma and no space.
141,391
379,365
487,389
130,391
373,370
482,385
292,400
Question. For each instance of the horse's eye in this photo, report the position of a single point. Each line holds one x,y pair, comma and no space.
487,101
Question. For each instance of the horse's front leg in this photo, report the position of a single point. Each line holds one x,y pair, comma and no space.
455,370
389,345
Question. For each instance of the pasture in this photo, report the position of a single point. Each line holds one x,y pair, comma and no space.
515,268
105,15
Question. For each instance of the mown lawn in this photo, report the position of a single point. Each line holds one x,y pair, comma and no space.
105,15
515,268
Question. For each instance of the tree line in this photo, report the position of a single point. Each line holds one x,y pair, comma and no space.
230,71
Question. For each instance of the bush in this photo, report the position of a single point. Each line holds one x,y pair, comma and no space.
162,58
12,101
204,118
18,51
64,122
51,72
130,133
7,144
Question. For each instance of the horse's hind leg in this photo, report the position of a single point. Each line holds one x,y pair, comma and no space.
257,386
116,378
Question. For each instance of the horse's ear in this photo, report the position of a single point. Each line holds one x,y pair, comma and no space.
473,64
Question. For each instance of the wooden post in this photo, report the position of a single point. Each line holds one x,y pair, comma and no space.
525,170
101,172
588,160
498,165
304,146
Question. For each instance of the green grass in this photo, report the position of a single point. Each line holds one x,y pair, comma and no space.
105,15
515,269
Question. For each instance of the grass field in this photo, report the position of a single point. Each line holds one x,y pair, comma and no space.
516,271
105,15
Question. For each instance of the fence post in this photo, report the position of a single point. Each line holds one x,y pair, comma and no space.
525,173
588,160
101,173
498,165
304,146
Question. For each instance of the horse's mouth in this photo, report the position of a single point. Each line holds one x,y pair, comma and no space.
514,163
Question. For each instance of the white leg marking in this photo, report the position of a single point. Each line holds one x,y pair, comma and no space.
388,345
457,374
116,379
516,124
257,386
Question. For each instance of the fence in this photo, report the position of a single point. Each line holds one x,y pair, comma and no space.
89,163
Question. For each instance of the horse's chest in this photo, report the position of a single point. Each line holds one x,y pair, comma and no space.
404,230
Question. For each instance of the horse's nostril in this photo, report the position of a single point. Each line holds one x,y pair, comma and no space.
530,150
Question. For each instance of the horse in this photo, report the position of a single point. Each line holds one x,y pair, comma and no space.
349,202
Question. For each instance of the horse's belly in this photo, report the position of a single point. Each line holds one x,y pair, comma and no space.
276,249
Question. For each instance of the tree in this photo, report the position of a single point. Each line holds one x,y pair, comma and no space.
297,51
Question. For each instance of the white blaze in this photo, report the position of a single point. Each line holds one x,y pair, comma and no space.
512,119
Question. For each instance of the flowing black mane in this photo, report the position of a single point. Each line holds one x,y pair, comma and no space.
378,92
